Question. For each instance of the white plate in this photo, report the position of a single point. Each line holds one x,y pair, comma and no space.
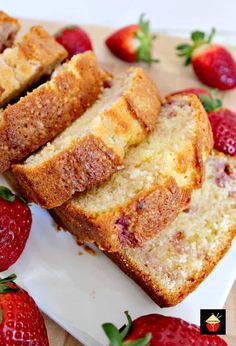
80,292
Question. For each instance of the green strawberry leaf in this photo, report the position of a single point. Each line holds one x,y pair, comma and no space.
198,36
4,288
140,342
113,334
0,315
185,50
6,194
23,199
10,278
145,39
183,46
211,103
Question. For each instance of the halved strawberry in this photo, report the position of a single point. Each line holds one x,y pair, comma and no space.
213,64
133,42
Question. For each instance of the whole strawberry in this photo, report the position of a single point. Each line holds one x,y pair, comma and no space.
20,320
158,330
74,39
212,63
133,42
15,225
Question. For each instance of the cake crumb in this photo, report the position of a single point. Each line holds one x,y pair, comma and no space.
57,225
89,250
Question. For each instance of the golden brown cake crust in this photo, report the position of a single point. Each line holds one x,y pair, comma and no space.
158,293
131,224
204,244
38,45
143,99
162,297
150,211
48,110
90,161
9,27
203,142
35,55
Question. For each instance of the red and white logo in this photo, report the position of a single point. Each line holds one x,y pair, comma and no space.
213,323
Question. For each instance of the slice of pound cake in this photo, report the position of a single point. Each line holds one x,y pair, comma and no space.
175,262
153,187
48,110
35,55
8,29
94,146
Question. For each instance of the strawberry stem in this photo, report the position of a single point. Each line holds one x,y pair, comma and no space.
124,332
145,39
212,34
6,194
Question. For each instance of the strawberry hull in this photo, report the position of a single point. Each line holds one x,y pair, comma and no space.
213,327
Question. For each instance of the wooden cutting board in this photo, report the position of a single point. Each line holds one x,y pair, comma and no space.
170,75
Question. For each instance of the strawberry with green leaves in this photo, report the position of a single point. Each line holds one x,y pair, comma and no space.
212,63
223,124
15,225
21,322
159,330
133,42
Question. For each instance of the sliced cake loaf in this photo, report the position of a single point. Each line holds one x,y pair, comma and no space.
94,146
154,186
36,54
8,29
175,262
48,110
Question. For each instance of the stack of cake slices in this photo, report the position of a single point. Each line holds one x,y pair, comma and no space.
117,165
